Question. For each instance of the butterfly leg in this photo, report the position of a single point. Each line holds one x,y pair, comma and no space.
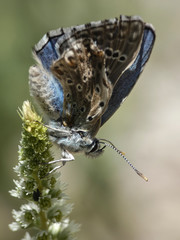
66,157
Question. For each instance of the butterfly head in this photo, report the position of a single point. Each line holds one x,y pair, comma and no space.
96,148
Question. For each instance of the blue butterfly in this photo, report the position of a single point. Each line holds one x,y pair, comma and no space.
83,74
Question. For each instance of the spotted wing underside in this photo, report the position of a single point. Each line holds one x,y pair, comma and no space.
87,90
103,50
88,62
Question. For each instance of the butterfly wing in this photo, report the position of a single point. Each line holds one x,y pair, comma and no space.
62,82
104,48
119,38
127,80
86,87
44,87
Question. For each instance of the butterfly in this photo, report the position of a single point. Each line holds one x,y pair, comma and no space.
83,74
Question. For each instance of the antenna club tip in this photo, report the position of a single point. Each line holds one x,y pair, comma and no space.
141,175
145,178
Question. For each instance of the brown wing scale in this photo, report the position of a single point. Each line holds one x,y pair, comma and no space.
81,72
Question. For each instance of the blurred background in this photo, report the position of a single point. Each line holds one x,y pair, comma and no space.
110,200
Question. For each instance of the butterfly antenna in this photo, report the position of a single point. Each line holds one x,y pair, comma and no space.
111,145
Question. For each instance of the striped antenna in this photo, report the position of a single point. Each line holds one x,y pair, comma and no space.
111,145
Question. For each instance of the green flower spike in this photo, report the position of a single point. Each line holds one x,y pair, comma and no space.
46,210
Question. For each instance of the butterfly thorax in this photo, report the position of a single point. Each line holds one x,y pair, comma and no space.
73,139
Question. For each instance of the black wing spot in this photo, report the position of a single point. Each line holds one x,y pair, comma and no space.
108,52
68,95
115,54
79,87
101,104
69,81
90,118
83,109
122,58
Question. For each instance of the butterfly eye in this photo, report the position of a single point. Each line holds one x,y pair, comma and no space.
95,148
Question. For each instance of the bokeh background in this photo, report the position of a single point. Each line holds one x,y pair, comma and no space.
110,200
